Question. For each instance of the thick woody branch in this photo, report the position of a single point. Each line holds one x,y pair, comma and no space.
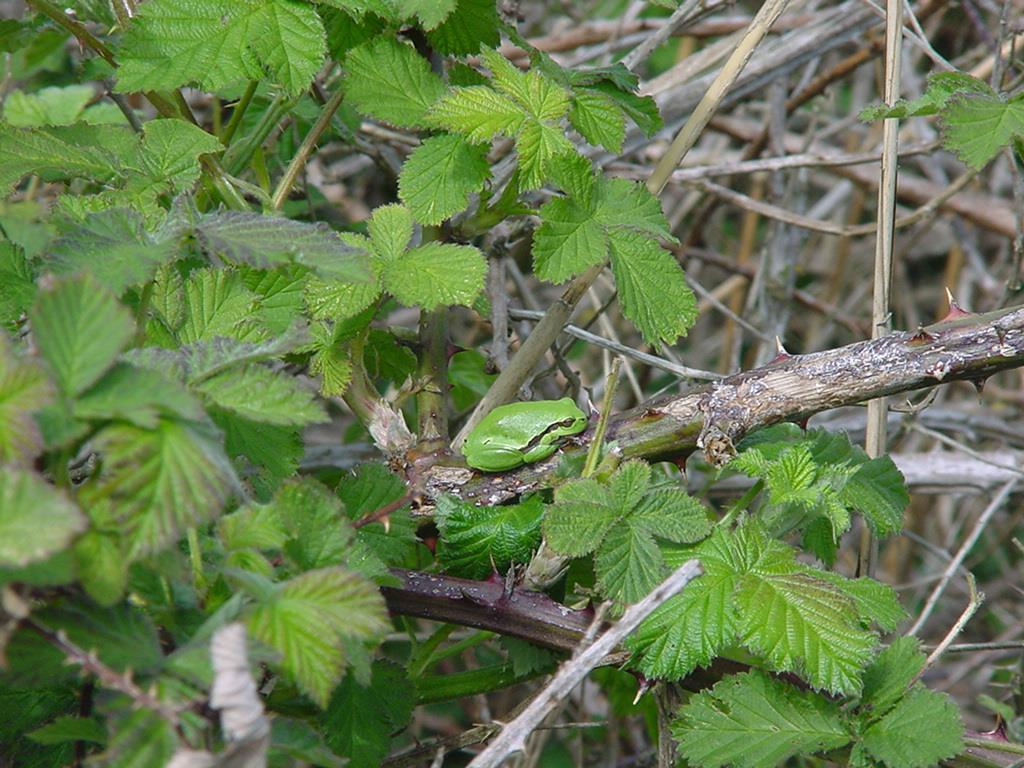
791,388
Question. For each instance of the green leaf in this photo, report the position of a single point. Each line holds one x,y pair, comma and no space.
171,150
391,229
430,13
877,603
437,274
17,284
122,637
389,80
580,518
476,541
79,328
568,241
297,742
317,534
941,86
978,126
138,396
478,113
754,721
336,300
24,388
642,110
359,720
216,43
753,590
889,676
652,288
114,247
256,526
370,488
200,360
36,520
672,514
259,394
102,566
139,739
161,481
473,23
598,119
281,294
575,231
217,303
309,616
629,563
439,176
689,630
267,241
878,491
923,729
56,105
630,205
53,153
802,623
67,728
275,451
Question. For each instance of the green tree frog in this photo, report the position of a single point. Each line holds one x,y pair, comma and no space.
522,433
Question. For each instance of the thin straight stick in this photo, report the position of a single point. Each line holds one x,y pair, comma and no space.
881,324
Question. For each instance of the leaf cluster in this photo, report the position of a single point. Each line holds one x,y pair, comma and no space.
756,721
816,480
977,122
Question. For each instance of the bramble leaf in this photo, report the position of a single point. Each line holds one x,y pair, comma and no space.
114,247
79,328
436,274
473,23
389,80
629,562
161,481
56,105
652,288
887,678
56,153
476,541
308,618
754,721
439,176
360,719
267,241
170,152
478,112
583,513
598,119
941,86
621,521
36,520
754,591
921,730
978,126
24,388
259,394
216,43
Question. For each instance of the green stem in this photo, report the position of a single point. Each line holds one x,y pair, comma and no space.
602,425
432,689
424,654
238,155
742,503
195,557
236,116
298,162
